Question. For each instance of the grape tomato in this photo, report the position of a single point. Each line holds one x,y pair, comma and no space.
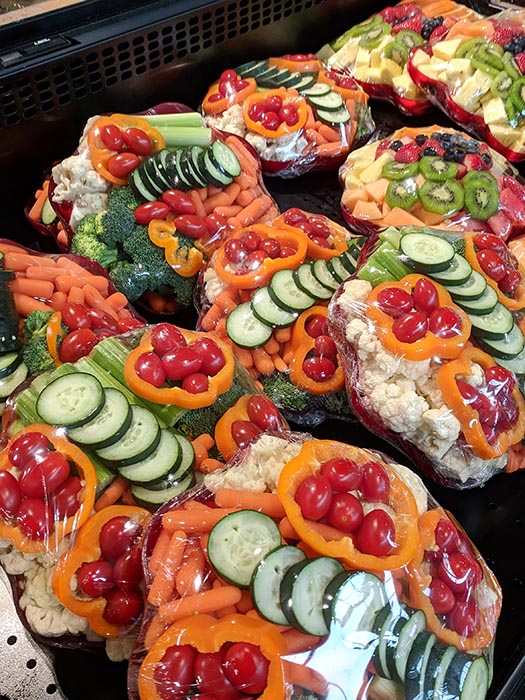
319,369
174,674
465,619
425,296
150,211
181,362
410,327
95,578
324,346
122,164
395,302
100,319
149,368
178,201
10,494
445,323
122,607
235,250
33,518
45,475
191,225
165,337
314,497
213,359
28,447
196,383
441,596
345,512
137,141
127,570
343,474
375,484
111,137
293,216
376,535
446,535
492,264
316,326
117,536
246,667
263,412
77,344
64,501
243,431
211,678
76,316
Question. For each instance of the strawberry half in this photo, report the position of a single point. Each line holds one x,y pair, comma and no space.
383,146
414,24
408,153
438,32
520,60
503,35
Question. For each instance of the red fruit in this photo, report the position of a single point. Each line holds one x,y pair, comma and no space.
435,145
503,35
408,153
438,32
500,224
513,184
413,24
383,146
473,161
388,14
520,60
512,204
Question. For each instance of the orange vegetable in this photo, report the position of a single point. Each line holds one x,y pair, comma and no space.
54,330
214,103
289,98
186,261
112,494
237,499
163,585
194,521
312,65
200,603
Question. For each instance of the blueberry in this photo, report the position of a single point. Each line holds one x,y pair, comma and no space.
396,145
459,154
487,159
429,25
420,139
449,154
472,147
429,151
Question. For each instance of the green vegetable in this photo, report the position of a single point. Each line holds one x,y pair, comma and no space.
285,394
294,402
34,350
87,242
118,221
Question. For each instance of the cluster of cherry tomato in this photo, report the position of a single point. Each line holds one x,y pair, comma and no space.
335,495
230,83
418,313
341,80
322,361
498,263
250,250
236,669
117,575
40,489
262,415
455,574
272,111
173,360
497,408
87,327
131,146
175,201
315,226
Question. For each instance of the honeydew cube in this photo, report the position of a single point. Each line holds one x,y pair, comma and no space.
373,171
389,70
406,87
446,49
494,111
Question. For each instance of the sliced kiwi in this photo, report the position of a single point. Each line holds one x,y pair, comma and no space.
467,48
402,193
409,38
482,65
399,171
501,84
510,65
437,169
514,114
483,175
363,27
396,52
442,197
481,200
517,94
373,36
492,54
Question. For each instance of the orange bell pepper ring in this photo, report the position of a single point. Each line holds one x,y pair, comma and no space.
215,103
54,331
296,63
419,578
81,466
86,548
208,635
468,416
186,261
287,237
302,345
289,97
308,463
338,236
176,395
429,345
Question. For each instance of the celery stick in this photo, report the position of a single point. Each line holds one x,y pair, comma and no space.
176,137
178,119
391,235
105,475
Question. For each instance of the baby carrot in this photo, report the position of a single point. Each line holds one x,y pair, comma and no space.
245,602
95,299
35,213
193,521
156,626
190,575
329,133
197,203
209,465
200,603
217,200
268,503
40,289
220,328
163,585
25,304
279,364
315,137
19,262
263,362
244,356
58,300
252,212
282,335
245,197
228,211
34,272
76,295
159,551
117,300
211,317
299,641
201,447
112,494
272,346
329,149
73,267
66,281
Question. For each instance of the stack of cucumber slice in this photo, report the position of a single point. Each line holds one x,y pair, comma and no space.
13,372
267,76
328,104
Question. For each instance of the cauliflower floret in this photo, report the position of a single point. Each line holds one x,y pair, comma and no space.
261,468
256,140
285,147
213,284
231,120
400,407
414,483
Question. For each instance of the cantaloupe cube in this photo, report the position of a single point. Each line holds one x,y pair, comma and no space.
377,190
367,211
352,196
399,217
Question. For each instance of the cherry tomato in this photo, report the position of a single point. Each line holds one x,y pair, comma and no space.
165,337
270,121
95,578
509,413
149,211
191,225
441,597
465,619
256,111
345,82
459,571
491,242
122,607
375,484
10,495
102,320
111,137
377,533
316,326
263,412
314,497
254,260
319,227
77,344
117,536
246,667
181,362
128,324
33,519
289,114
447,538
196,383
215,224
471,395
211,678
425,296
178,201
243,431
500,381
320,241
410,327
286,251
395,302
510,283
445,322
273,103
251,240
64,502
137,141
235,250
213,359
319,369
271,247
43,476
174,674
343,474
324,346
215,97
149,368
127,570
304,226
122,164
294,216
345,513
492,264
75,316
28,447
228,75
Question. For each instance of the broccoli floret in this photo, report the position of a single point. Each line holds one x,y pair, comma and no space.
86,242
34,350
130,278
118,221
122,197
203,420
285,394
337,404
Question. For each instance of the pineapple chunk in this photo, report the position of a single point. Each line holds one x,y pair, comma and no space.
373,171
469,94
509,137
432,70
458,70
446,49
419,57
389,70
346,55
494,112
362,58
368,75
406,87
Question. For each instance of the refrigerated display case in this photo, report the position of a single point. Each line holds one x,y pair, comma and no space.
61,63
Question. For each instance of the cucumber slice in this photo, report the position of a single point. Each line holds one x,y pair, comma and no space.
305,82
239,541
178,472
507,348
324,276
357,602
245,329
138,442
338,270
456,273
48,215
153,499
305,280
166,457
466,678
251,69
416,665
265,78
496,324
152,173
9,361
267,311
285,293
329,102
483,305
274,80
224,158
317,90
71,400
427,253
267,579
213,174
12,381
415,624
334,118
108,426
473,288
441,656
302,593
514,364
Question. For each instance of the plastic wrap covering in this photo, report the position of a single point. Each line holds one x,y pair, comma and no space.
312,569
432,351
150,197
375,53
432,176
298,115
476,75
265,292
